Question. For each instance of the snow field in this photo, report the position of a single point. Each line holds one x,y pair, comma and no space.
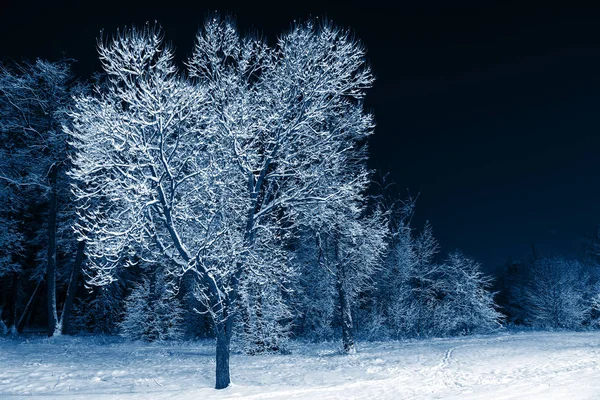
531,365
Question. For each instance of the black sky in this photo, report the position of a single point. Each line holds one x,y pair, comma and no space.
489,110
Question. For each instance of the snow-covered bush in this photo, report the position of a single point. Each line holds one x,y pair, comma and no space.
152,313
557,294
407,283
419,297
314,295
100,311
264,321
596,311
466,305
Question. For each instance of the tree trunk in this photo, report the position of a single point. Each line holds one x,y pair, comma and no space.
345,306
245,310
64,317
51,268
28,307
3,299
13,305
223,332
3,327
347,324
260,343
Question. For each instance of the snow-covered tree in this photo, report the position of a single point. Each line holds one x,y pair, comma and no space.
595,322
345,241
212,173
264,319
417,296
12,251
337,263
152,312
466,304
273,109
591,266
314,291
557,293
33,102
409,280
100,311
510,285
350,249
147,167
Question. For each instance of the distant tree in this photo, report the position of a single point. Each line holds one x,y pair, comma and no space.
556,294
381,300
34,99
510,285
152,312
349,236
590,258
314,290
591,249
264,323
348,247
419,297
595,321
410,282
101,310
466,302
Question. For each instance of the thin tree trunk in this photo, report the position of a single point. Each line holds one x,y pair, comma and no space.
260,334
347,323
3,299
64,317
51,268
245,310
14,304
345,306
223,333
3,327
27,310
252,316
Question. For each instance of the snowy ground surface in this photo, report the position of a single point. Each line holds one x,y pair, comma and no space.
531,365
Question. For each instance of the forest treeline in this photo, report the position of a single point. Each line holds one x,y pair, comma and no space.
231,199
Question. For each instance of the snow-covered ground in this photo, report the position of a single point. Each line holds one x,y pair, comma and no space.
531,365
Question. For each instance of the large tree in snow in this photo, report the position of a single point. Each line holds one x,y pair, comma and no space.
293,122
213,172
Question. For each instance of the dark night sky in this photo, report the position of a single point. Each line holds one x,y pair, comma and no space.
489,110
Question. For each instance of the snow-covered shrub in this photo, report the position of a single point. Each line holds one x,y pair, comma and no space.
596,311
314,292
100,311
152,312
556,294
509,284
407,286
371,322
264,325
466,305
419,297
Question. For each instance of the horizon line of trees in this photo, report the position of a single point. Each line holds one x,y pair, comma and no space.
233,200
